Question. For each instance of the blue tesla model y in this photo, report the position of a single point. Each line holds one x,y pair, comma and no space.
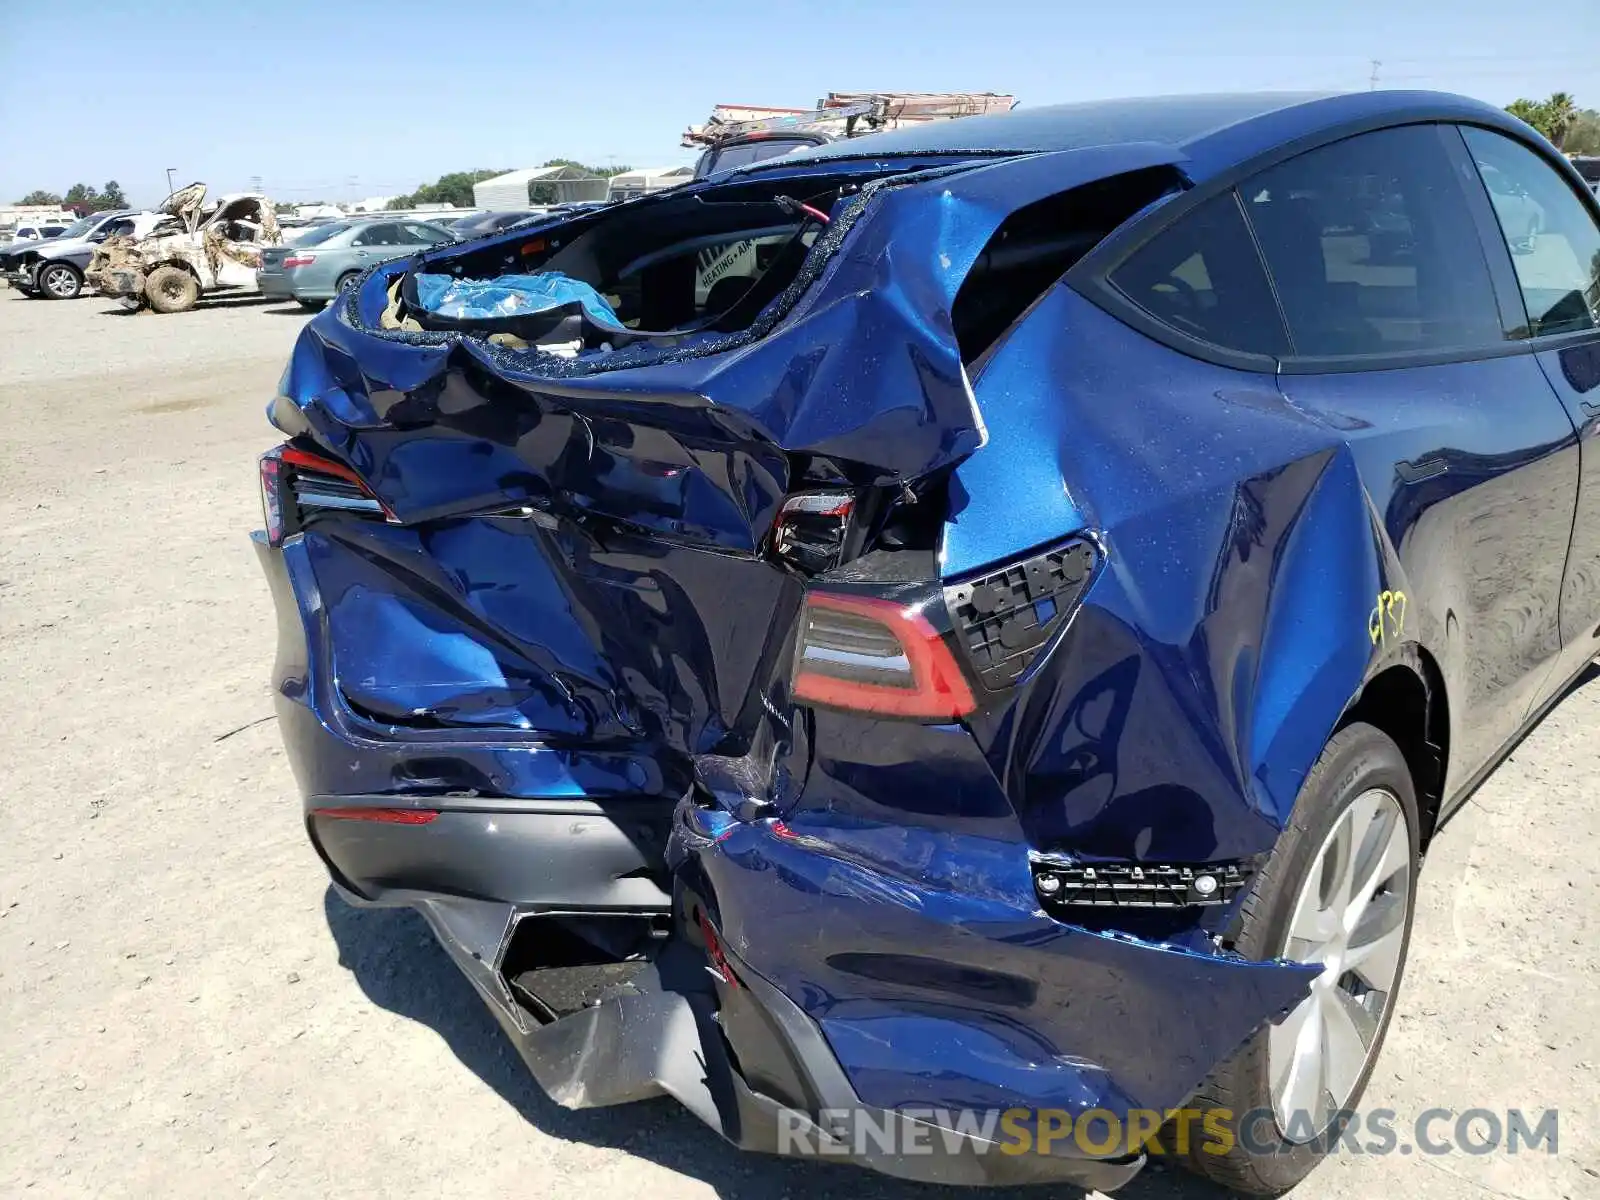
980,619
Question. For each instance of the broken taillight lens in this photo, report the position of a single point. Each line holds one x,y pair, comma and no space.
298,485
271,503
812,529
879,656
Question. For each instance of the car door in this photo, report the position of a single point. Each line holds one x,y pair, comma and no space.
1402,335
1558,278
379,242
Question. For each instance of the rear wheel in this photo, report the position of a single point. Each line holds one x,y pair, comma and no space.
171,290
346,280
1339,891
59,281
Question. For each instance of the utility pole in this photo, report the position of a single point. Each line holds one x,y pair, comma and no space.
170,188
1372,82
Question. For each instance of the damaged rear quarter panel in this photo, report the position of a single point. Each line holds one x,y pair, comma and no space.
1174,720
1217,650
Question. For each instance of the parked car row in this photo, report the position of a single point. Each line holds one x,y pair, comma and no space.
167,259
326,258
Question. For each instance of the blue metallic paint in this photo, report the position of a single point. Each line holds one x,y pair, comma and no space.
1248,524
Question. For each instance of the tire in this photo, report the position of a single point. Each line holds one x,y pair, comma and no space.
171,290
346,280
59,281
1360,771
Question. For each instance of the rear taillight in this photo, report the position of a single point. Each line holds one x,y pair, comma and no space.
878,656
299,484
298,260
813,528
271,504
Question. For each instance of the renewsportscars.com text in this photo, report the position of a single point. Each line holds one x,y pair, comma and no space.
1098,1133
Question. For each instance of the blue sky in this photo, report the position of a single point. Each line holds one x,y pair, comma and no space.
347,98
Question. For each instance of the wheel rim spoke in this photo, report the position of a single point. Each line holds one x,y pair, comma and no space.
1374,951
1299,1086
1386,857
1348,1031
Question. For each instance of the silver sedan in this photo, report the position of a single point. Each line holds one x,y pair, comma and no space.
326,258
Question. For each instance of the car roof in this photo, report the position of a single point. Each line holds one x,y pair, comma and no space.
1213,131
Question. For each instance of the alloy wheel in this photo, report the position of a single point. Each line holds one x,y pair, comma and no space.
59,282
1350,918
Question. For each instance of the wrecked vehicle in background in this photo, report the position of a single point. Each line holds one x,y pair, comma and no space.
1002,646
736,135
53,269
198,250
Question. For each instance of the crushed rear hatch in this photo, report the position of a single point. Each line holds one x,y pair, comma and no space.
580,545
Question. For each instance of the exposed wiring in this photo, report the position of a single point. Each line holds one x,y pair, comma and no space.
798,207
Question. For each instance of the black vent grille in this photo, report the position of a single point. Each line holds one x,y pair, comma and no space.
1138,885
1005,617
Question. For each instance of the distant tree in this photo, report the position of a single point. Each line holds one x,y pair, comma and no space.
111,196
1554,117
1531,111
602,172
455,188
1560,112
40,197
1584,136
81,196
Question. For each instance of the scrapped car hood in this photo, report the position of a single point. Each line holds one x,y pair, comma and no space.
185,202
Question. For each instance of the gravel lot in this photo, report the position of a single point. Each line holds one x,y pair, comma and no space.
189,1011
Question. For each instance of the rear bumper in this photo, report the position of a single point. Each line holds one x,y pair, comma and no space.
914,998
720,1051
276,285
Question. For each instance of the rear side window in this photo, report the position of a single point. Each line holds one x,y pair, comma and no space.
1202,277
379,235
758,151
1554,241
421,235
1372,248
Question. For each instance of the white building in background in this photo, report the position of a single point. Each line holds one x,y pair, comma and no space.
507,192
371,204
647,179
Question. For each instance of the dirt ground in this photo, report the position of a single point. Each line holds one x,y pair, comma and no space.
188,1011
